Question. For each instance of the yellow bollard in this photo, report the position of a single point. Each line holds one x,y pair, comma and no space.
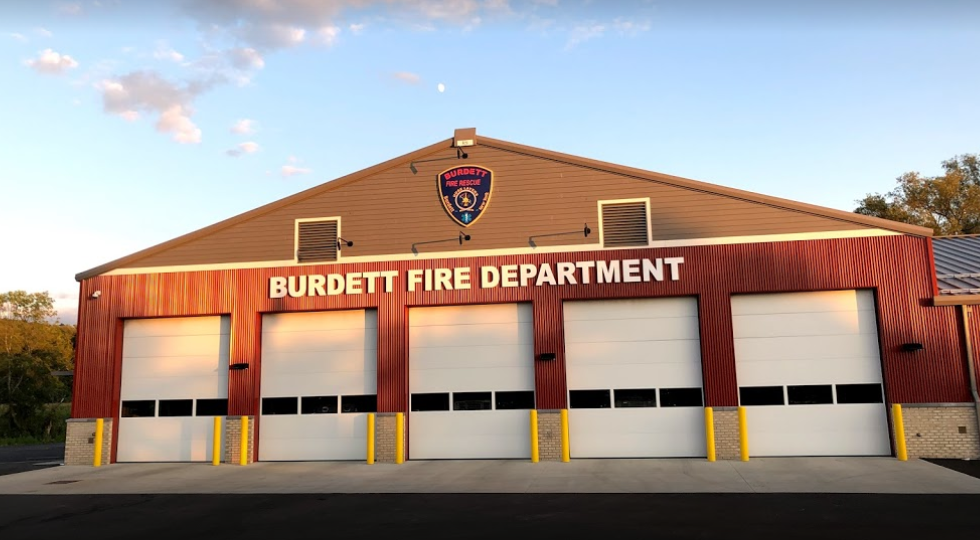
565,452
97,455
370,439
743,434
709,432
399,438
901,452
243,453
534,436
216,440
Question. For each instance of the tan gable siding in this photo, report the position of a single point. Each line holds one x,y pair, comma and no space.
385,213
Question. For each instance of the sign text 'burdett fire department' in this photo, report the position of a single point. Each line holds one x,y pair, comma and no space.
485,277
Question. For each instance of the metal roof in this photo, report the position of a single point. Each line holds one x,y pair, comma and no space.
957,264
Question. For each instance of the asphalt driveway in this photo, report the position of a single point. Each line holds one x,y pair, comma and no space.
17,459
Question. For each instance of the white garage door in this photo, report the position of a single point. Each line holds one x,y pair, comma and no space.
471,381
319,381
809,373
634,378
174,382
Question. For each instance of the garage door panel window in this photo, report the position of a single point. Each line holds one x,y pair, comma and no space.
810,394
212,407
636,397
280,405
514,400
176,407
430,402
138,409
681,397
859,393
761,395
589,399
472,401
319,404
359,404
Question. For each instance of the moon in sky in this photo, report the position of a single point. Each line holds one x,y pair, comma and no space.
441,87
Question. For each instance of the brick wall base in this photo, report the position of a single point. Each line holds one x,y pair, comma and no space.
384,438
80,441
726,433
549,435
233,436
946,431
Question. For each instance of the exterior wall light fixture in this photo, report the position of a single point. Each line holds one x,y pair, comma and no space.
912,347
584,232
459,155
463,237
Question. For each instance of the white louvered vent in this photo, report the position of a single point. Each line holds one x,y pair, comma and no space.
317,241
624,224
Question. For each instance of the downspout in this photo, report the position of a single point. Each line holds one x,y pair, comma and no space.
965,311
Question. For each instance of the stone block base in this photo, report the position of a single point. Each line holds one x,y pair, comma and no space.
384,438
80,441
941,431
232,439
726,433
549,435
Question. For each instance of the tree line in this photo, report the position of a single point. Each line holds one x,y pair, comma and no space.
36,354
949,203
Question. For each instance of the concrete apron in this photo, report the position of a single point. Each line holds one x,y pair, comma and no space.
773,475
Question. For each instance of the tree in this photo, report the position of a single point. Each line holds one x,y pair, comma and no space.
30,350
23,306
948,204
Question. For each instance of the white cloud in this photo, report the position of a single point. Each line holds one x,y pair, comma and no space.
292,170
245,126
164,52
177,120
460,11
498,6
584,33
147,91
246,58
273,36
357,29
327,35
243,148
629,27
410,78
19,37
551,3
52,63
70,8
43,32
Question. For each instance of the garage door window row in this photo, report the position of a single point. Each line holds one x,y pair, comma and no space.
320,404
623,398
148,408
811,394
473,401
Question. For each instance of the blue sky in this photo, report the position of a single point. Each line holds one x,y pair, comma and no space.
126,123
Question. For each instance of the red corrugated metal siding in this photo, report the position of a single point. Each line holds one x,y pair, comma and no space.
898,267
973,335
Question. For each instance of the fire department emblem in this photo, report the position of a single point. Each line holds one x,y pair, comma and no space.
465,192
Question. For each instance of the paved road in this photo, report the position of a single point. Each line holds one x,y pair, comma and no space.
969,467
15,459
498,517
